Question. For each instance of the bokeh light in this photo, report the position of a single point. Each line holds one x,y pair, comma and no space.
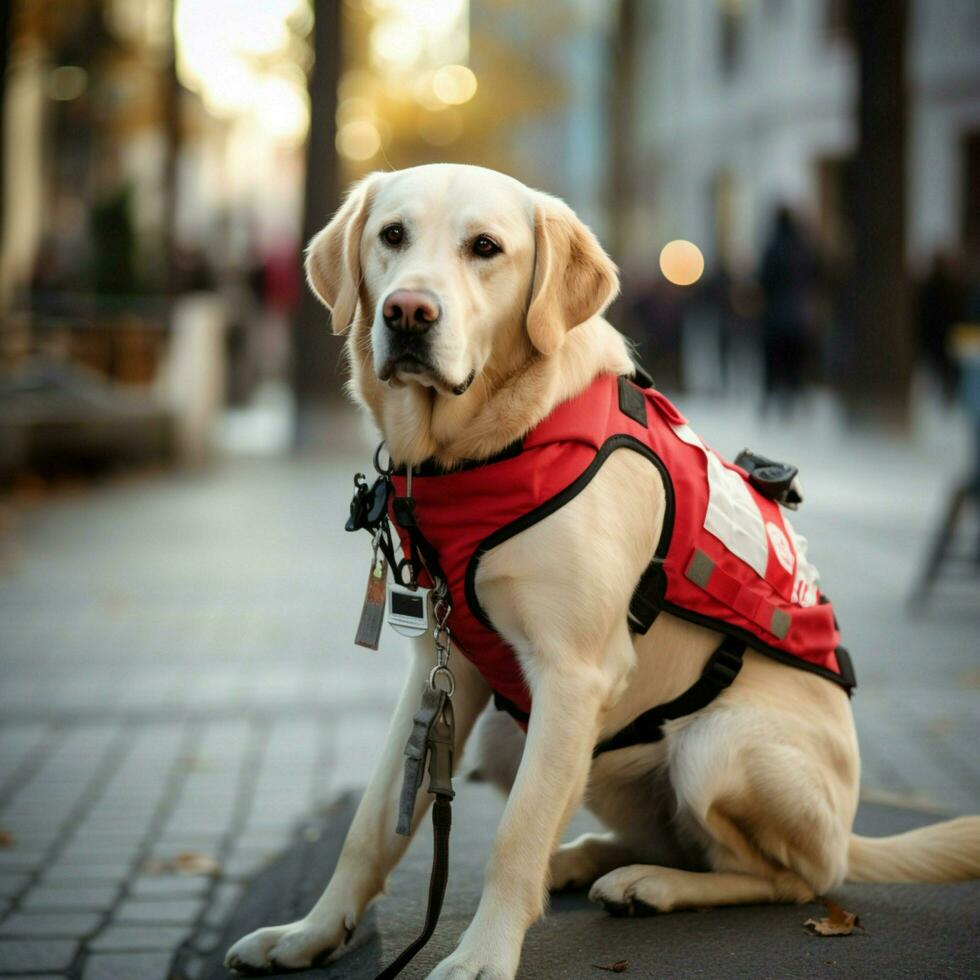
681,262
358,140
454,84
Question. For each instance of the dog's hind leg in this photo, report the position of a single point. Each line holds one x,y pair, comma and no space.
578,863
771,816
497,745
642,889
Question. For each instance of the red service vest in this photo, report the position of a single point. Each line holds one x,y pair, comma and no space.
727,559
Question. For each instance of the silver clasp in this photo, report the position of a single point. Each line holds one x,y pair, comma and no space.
442,607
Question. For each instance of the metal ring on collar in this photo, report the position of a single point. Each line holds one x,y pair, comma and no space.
434,676
384,471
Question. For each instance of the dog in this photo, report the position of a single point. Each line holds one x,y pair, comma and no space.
474,306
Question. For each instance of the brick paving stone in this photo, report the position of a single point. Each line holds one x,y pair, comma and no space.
223,899
34,976
70,924
128,966
165,911
79,874
11,884
20,860
18,955
167,846
138,938
83,852
71,897
112,868
168,886
272,838
245,866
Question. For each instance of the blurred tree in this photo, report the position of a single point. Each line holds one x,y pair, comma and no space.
879,380
316,380
623,113
5,17
170,98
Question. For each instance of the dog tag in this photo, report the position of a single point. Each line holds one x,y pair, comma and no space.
408,611
373,610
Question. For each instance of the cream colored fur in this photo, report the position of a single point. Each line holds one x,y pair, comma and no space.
749,800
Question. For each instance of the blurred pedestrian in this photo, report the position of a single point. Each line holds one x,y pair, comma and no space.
731,301
789,279
656,306
940,308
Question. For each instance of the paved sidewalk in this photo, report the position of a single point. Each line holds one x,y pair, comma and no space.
177,678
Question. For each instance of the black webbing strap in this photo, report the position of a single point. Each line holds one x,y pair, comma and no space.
648,597
719,672
423,557
442,818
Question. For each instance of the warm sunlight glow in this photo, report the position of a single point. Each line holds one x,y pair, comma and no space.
413,34
238,57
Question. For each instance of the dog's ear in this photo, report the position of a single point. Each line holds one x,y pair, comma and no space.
574,279
333,257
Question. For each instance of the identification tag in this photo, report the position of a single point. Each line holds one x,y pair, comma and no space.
408,610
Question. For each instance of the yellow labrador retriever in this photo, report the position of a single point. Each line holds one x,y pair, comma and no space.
750,799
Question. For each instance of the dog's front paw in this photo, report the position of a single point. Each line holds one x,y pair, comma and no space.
479,960
295,946
461,966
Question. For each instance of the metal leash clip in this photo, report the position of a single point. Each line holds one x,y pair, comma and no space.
442,637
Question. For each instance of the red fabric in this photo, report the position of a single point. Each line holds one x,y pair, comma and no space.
457,511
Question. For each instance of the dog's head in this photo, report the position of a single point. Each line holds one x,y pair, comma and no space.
451,273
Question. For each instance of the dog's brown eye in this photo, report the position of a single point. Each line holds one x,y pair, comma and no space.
393,234
485,247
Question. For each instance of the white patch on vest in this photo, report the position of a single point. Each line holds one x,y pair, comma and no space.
782,548
807,581
732,515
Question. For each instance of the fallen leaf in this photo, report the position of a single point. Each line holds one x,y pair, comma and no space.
621,967
838,923
6,838
185,863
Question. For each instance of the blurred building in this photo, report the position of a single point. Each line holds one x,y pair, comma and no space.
744,104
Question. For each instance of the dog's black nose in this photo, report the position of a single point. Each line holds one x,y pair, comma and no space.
411,310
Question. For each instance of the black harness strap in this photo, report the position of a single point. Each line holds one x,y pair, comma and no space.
719,672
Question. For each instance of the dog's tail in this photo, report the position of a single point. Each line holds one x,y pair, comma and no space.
947,851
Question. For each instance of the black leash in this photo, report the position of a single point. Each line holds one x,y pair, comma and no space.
442,818
433,738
